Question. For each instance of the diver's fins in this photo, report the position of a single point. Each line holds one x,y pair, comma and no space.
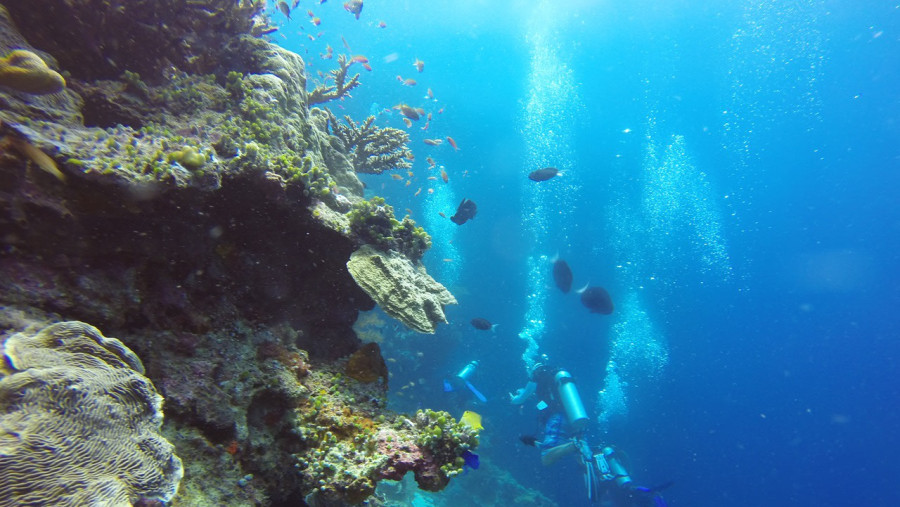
475,392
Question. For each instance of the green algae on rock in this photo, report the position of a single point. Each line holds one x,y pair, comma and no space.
403,290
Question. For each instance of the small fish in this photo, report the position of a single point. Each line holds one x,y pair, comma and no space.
464,212
295,4
407,111
310,14
407,122
432,178
345,43
284,8
448,260
367,67
441,213
430,190
311,36
33,153
425,127
441,111
429,117
396,176
470,459
408,182
409,173
543,174
409,82
382,24
444,176
430,161
408,211
452,143
429,94
419,191
420,111
483,324
359,59
354,7
472,420
316,21
419,65
411,156
596,300
433,142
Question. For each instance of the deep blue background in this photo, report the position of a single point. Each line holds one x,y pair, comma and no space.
781,386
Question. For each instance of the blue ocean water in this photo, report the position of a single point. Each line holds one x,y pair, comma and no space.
730,172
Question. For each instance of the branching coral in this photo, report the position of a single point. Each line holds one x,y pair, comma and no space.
325,92
372,150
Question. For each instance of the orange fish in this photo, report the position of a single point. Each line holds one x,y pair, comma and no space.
430,94
310,13
396,176
442,214
407,111
359,59
452,143
419,191
432,178
448,260
408,183
311,36
444,176
426,125
316,21
407,122
430,190
382,24
367,67
409,173
409,82
429,116
432,142
419,65
420,111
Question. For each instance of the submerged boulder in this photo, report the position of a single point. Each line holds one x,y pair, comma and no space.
403,290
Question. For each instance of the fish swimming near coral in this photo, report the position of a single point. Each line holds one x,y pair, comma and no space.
354,7
285,9
483,324
464,212
562,275
408,111
471,459
596,300
472,420
543,174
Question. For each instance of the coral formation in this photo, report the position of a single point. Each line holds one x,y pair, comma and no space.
83,396
367,364
372,223
403,290
24,71
372,150
325,92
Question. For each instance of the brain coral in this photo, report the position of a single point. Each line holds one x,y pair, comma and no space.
79,423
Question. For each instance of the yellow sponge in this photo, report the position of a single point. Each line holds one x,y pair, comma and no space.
26,72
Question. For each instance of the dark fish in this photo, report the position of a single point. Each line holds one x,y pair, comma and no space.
528,440
543,174
354,7
482,324
562,275
597,300
466,211
285,9
471,459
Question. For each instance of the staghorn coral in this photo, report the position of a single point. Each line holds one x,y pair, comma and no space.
24,71
404,291
84,396
372,150
324,92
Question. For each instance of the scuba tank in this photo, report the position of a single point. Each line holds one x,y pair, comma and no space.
467,372
571,401
616,468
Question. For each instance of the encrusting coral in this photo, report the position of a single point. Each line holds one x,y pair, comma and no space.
24,71
325,92
371,149
372,223
83,396
404,291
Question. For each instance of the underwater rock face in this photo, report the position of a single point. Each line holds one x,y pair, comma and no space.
404,291
84,396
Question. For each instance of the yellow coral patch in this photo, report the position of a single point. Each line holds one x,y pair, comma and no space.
26,72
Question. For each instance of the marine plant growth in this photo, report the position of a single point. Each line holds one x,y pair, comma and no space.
372,222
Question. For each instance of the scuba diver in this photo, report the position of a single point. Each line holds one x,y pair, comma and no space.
564,420
459,386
